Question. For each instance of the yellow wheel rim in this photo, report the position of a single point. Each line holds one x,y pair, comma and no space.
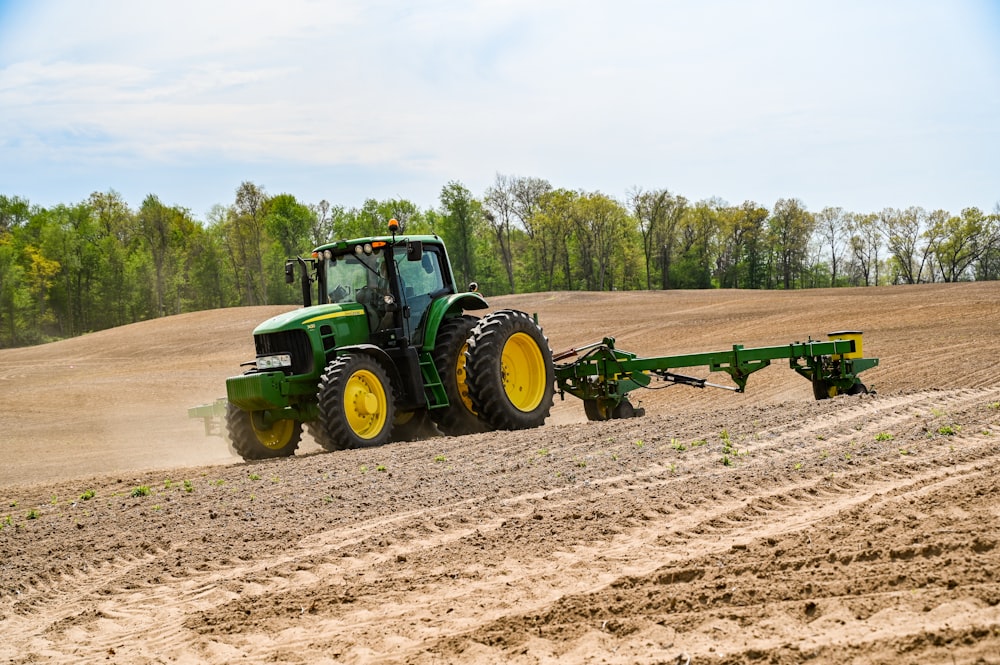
277,436
523,369
460,377
365,404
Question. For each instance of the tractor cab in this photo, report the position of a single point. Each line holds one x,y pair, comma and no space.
394,283
395,280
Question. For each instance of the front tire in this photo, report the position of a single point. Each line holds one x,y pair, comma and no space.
249,438
510,372
356,408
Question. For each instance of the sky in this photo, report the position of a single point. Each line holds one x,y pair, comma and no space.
863,104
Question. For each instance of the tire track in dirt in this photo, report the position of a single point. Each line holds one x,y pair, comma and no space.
486,570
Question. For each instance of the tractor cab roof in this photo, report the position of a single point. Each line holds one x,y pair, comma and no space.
344,246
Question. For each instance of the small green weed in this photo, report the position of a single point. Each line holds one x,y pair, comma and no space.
949,430
677,445
254,476
188,486
798,465
88,495
33,514
363,468
698,442
141,490
884,436
639,444
381,468
440,459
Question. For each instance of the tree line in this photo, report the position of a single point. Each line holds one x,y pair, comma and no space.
71,269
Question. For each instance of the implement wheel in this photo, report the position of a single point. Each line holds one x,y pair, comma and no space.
249,438
596,410
510,372
356,408
826,390
449,358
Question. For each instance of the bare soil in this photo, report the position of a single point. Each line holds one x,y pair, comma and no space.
855,530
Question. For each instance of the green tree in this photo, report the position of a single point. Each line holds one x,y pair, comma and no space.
289,223
461,221
696,236
832,225
602,225
155,222
866,243
962,240
118,240
501,216
790,229
657,214
323,215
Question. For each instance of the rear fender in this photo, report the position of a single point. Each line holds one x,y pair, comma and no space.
451,305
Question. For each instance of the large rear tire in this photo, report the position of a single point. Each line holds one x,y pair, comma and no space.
510,372
251,440
356,408
457,418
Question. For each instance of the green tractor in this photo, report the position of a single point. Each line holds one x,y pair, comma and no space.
383,350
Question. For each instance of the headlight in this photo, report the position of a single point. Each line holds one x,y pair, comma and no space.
274,362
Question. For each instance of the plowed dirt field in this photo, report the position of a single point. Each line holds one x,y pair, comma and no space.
859,529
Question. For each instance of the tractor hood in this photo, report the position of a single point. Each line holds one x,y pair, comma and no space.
310,318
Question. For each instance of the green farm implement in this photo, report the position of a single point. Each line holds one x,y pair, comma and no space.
602,375
384,349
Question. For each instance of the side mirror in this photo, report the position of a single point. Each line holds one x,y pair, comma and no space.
414,250
290,271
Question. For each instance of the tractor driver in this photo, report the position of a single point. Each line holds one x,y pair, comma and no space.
374,295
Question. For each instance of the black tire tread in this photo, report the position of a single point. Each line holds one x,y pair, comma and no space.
242,438
455,419
485,380
332,430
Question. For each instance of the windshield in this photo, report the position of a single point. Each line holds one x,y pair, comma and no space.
348,274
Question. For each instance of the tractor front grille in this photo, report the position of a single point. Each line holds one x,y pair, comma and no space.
294,342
